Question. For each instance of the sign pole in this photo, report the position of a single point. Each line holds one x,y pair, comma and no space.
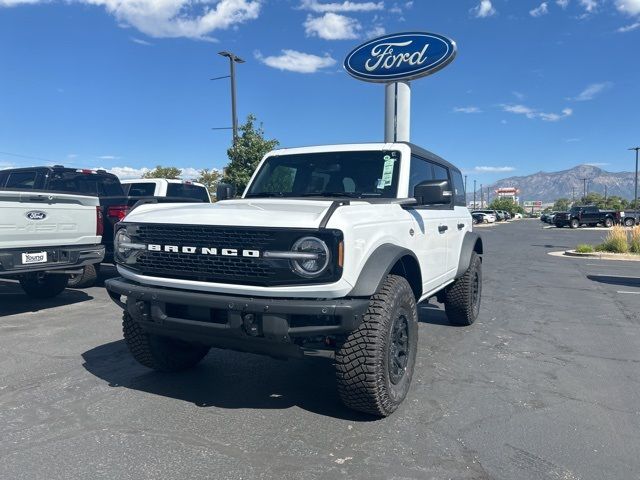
397,112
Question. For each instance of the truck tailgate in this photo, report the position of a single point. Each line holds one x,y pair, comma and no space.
36,219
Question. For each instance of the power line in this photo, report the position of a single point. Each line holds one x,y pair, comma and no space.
30,157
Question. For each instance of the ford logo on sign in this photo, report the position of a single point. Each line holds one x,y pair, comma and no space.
400,56
36,215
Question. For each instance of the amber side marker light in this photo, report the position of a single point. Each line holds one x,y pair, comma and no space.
341,254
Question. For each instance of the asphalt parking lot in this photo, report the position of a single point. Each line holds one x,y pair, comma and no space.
545,385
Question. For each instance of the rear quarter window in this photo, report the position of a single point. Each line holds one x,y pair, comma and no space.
22,180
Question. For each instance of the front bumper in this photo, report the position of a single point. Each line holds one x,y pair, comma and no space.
59,258
272,326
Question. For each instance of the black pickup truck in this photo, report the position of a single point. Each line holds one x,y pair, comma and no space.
586,215
114,203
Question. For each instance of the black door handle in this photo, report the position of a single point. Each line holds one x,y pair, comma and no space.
460,226
442,228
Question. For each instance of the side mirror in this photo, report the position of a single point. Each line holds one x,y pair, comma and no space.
433,192
225,191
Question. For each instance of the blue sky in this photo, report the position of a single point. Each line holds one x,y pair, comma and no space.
125,83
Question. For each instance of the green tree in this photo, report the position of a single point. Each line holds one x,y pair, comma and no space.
163,172
210,179
245,155
561,205
594,199
506,204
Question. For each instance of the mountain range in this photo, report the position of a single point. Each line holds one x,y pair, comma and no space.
549,186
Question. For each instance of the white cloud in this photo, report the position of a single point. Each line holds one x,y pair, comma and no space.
597,164
483,10
294,61
518,95
562,3
589,5
533,114
467,110
376,31
591,91
125,173
194,19
332,26
630,7
487,169
629,28
346,6
139,41
108,157
543,9
15,3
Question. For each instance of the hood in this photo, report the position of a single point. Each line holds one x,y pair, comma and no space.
279,213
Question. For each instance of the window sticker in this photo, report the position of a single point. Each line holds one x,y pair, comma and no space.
387,170
380,184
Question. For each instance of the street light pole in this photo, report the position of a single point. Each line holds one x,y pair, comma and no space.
635,183
465,191
233,59
474,195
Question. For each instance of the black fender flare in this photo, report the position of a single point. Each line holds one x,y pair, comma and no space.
377,267
471,243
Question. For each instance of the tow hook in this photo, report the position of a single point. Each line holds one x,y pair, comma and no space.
250,323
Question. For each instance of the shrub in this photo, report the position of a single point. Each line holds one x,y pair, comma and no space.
584,248
615,241
634,246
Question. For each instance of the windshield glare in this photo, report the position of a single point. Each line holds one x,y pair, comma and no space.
359,174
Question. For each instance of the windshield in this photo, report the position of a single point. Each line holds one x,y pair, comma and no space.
359,174
95,184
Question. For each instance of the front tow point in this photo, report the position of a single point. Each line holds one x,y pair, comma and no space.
251,327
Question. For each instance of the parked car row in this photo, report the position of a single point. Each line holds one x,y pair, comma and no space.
43,211
590,215
490,216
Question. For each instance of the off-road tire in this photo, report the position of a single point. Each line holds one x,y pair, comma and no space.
608,222
462,298
629,222
86,279
160,353
574,223
42,286
368,378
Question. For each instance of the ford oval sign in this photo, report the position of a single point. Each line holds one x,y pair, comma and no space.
400,56
36,215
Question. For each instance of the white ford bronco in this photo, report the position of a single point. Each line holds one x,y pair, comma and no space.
329,248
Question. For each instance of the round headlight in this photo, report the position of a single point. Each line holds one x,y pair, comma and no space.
317,261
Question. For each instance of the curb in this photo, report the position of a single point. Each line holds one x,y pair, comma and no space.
604,255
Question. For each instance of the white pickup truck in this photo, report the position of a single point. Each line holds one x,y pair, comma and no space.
45,236
166,187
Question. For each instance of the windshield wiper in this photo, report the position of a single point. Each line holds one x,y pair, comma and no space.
333,194
265,195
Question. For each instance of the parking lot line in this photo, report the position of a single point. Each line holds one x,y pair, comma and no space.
630,293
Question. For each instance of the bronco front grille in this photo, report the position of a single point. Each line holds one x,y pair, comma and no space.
225,269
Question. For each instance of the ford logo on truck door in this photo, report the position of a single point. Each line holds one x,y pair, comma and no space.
400,56
36,215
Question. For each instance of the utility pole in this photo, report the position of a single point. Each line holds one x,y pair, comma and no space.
635,183
474,195
605,194
584,189
233,59
481,196
488,199
573,195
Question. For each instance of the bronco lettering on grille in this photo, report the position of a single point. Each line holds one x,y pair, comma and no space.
225,252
